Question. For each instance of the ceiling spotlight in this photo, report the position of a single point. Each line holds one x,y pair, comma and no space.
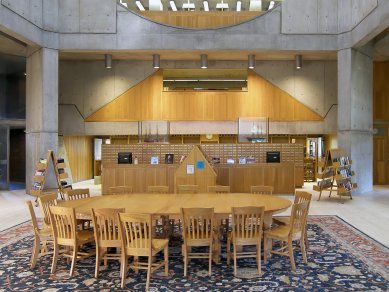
173,5
271,5
204,61
139,5
299,62
108,61
188,6
206,6
251,61
156,61
238,5
222,5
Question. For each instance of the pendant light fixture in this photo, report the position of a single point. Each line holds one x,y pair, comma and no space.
299,62
204,61
108,61
251,61
156,61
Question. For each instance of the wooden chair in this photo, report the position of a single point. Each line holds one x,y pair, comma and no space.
66,234
107,235
119,190
135,230
262,190
77,194
299,197
158,189
198,230
45,201
43,236
187,189
286,234
219,189
247,229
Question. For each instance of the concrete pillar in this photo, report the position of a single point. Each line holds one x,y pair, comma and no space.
355,113
41,110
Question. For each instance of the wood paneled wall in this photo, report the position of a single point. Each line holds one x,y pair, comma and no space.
381,91
80,154
147,101
193,19
381,120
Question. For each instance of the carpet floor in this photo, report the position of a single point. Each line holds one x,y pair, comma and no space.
340,258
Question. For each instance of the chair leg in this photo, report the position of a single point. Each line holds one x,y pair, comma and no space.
166,258
150,261
104,254
97,262
228,251
306,238
303,250
123,272
185,253
259,258
235,269
210,261
35,252
266,244
74,258
55,258
291,256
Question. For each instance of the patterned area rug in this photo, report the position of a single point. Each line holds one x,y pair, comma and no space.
340,258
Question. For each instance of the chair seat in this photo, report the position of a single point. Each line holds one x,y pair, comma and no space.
159,244
281,220
279,232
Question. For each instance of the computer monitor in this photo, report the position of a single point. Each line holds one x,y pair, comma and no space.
124,157
273,156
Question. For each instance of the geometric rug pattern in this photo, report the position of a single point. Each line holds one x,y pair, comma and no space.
340,258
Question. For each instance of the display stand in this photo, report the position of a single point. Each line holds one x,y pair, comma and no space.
309,169
336,174
41,172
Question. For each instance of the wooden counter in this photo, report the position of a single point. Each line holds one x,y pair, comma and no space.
139,176
240,177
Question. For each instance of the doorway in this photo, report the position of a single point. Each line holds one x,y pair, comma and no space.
17,159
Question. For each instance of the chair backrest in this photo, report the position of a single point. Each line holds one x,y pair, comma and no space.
301,196
263,190
158,189
135,230
247,224
77,194
187,189
120,190
64,225
45,202
298,219
197,225
33,217
219,189
106,227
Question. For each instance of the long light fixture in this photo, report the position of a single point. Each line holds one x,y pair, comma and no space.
204,61
222,5
156,61
206,6
108,61
188,5
271,5
140,6
299,62
251,61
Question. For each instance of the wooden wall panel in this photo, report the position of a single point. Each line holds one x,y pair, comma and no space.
193,19
79,150
147,101
381,91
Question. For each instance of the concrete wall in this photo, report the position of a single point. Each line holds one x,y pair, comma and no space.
86,86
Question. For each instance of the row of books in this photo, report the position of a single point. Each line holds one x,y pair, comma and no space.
40,172
242,160
346,172
37,186
347,185
325,183
343,160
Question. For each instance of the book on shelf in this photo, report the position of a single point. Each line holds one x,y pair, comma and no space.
40,172
43,160
325,183
61,170
60,160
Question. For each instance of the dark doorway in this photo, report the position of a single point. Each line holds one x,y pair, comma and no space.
17,159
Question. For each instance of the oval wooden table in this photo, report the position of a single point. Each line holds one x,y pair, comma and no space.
171,204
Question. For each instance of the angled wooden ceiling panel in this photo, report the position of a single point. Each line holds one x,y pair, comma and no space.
147,101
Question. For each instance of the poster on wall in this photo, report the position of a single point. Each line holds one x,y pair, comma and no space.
189,169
